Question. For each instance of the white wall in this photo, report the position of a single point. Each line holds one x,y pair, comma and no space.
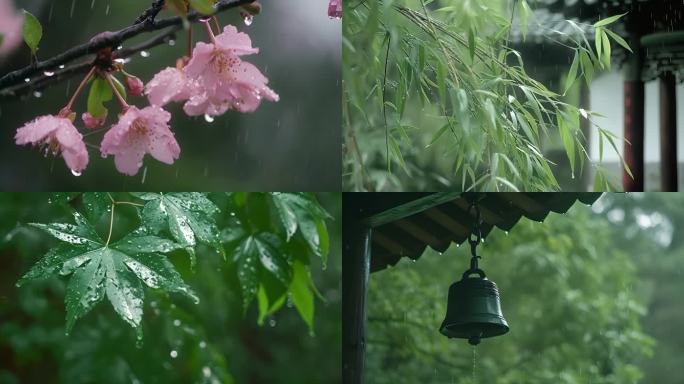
607,99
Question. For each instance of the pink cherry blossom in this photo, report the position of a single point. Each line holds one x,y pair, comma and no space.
59,135
335,9
225,81
140,131
135,85
10,28
168,85
92,122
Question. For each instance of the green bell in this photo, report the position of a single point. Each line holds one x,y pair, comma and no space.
473,309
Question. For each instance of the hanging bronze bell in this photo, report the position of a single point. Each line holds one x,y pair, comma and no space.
473,309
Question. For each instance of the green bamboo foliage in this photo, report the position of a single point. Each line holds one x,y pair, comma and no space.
426,82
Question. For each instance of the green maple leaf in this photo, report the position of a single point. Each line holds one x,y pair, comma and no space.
300,211
188,216
254,253
114,270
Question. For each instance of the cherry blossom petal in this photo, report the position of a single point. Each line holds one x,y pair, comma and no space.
60,135
168,85
234,42
135,85
92,122
335,9
140,131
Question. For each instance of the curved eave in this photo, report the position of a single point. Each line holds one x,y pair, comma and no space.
449,222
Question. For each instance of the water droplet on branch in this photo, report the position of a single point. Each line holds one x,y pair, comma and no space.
208,118
75,173
48,73
144,54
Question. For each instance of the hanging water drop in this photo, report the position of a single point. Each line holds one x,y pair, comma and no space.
75,173
48,73
61,66
248,19
26,80
208,118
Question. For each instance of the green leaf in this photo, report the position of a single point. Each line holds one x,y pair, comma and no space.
599,44
618,39
203,6
32,31
572,74
269,251
116,271
95,205
187,216
2,38
80,234
587,67
268,307
302,211
606,50
471,43
568,141
525,11
99,93
248,272
302,297
119,87
608,20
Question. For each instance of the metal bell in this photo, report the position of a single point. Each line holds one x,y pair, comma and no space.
473,309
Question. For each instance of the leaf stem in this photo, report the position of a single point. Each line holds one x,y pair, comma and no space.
190,42
216,23
123,102
80,88
111,224
209,31
129,203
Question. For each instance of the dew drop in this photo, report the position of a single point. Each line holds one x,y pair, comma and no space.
75,173
206,371
172,42
144,54
202,344
177,323
48,73
174,354
208,118
272,322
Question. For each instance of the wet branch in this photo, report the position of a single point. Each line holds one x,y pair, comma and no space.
59,75
145,23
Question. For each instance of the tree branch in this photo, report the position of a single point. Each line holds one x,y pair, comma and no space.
44,81
145,23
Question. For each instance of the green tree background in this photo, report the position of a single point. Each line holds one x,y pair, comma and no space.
210,342
592,296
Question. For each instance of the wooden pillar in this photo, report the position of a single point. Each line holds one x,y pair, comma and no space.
356,252
668,132
634,118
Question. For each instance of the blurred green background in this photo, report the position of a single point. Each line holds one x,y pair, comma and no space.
209,339
591,296
293,144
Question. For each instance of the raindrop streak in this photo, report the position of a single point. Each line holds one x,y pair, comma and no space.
92,5
71,13
144,54
77,174
474,359
107,10
208,118
144,176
